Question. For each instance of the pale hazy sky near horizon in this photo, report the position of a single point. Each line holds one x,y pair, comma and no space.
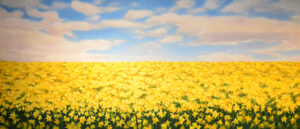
150,30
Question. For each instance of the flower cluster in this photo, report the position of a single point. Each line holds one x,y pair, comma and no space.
150,95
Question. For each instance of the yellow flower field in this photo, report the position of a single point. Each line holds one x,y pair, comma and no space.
150,95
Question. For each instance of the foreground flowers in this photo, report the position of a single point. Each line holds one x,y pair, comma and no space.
150,95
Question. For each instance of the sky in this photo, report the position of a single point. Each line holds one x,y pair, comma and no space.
149,30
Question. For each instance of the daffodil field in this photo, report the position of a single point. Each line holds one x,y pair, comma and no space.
153,95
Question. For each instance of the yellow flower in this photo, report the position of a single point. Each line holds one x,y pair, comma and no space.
272,126
79,89
75,118
188,122
107,116
215,114
269,110
155,120
235,121
119,124
145,122
56,121
214,126
89,120
35,114
296,116
66,119
167,122
82,119
283,119
220,122
255,108
261,125
48,118
32,122
161,114
222,127
271,118
293,120
195,114
71,114
13,116
256,121
181,120
248,119
240,119
40,117
100,124
164,126
227,117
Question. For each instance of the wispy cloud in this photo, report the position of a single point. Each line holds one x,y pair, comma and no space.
182,4
137,14
90,9
36,30
23,4
263,6
232,29
171,39
158,32
21,39
208,5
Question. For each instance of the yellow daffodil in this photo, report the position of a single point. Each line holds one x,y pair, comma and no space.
283,119
149,94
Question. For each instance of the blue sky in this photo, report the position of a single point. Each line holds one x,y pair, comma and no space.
150,30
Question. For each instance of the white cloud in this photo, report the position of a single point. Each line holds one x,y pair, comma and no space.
23,4
182,4
59,5
296,18
86,8
34,44
111,9
20,39
98,2
137,14
139,34
151,45
264,6
146,48
208,5
212,4
289,58
89,9
171,39
55,26
223,57
196,10
12,20
48,17
121,24
94,18
158,32
185,3
15,14
232,29
31,4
